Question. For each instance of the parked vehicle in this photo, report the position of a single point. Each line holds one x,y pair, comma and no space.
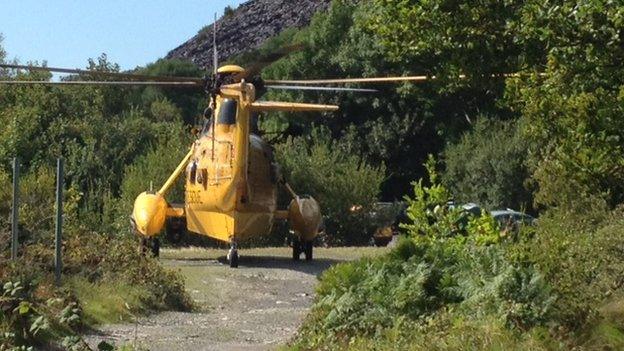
511,221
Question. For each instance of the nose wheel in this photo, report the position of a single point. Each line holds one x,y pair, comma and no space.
232,256
302,247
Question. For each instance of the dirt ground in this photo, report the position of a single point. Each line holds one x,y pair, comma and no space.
258,306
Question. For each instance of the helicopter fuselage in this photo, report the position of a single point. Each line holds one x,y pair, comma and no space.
231,179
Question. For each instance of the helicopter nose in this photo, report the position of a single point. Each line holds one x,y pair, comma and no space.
149,214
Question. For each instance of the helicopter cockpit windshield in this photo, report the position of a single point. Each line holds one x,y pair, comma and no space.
226,115
227,112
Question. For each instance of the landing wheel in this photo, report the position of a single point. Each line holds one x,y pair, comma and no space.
151,245
156,247
234,259
296,249
174,230
143,246
307,250
232,256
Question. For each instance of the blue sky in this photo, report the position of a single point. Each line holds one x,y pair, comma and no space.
132,33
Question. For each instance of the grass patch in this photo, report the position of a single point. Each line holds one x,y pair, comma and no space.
332,253
106,303
608,331
606,336
471,335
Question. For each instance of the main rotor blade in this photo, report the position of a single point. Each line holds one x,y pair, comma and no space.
301,87
380,80
130,83
98,73
354,80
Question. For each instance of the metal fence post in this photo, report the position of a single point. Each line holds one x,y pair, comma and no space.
15,210
58,261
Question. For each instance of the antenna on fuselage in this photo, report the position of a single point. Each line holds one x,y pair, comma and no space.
215,53
215,69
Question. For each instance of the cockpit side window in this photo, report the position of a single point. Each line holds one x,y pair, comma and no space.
227,112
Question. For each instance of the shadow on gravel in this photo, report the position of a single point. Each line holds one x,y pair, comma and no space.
314,267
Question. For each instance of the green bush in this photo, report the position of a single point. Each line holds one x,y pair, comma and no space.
551,287
188,103
165,111
372,297
90,260
580,258
228,11
344,184
571,113
487,166
437,270
448,332
94,258
36,208
428,211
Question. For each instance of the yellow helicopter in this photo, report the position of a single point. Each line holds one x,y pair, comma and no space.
232,178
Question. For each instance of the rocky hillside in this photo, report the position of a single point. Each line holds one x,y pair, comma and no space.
247,28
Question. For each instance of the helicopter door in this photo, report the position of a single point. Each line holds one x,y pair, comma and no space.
223,161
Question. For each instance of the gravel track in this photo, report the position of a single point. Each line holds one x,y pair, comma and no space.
258,306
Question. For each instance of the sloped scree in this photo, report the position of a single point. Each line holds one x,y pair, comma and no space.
247,28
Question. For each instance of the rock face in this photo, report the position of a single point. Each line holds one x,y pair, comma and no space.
247,28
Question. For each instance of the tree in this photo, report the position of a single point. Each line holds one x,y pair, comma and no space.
228,11
401,124
449,37
487,166
98,130
2,52
572,113
190,102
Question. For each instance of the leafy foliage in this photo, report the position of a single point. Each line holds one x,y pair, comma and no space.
438,268
35,312
400,125
2,52
372,297
98,130
475,38
487,166
571,114
428,211
27,318
580,260
189,103
90,128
